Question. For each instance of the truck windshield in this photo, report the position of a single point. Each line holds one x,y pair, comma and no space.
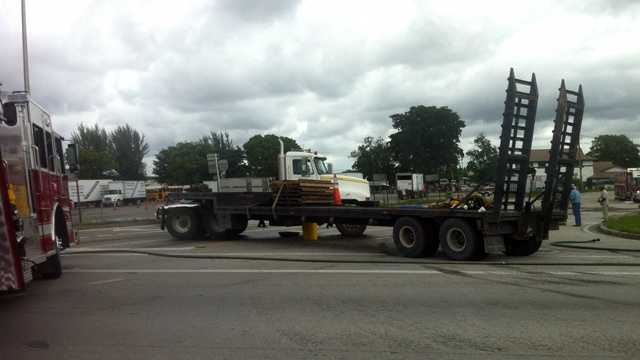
321,166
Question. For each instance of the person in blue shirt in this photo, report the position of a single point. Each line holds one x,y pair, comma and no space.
574,198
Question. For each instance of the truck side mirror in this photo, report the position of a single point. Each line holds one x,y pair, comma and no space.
10,114
73,158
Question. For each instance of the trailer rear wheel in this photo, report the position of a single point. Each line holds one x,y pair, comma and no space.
351,230
183,224
409,237
459,240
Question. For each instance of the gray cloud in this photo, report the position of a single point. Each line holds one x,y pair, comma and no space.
327,73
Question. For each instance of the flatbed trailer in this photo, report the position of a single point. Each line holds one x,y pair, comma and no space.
417,231
513,226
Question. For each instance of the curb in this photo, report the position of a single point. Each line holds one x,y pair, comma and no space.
617,233
120,222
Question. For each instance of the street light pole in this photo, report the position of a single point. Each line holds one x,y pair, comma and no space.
25,51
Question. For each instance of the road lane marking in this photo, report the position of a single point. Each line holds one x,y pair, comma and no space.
276,271
101,282
350,271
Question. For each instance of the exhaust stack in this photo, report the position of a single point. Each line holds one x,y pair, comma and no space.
282,164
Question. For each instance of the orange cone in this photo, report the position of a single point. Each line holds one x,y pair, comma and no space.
337,199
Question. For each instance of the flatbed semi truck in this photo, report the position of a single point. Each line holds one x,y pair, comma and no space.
514,225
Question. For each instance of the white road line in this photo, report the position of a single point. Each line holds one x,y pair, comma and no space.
347,271
277,271
105,281
591,256
292,254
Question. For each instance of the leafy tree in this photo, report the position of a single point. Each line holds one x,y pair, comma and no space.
618,149
374,156
129,149
482,159
95,150
427,140
262,153
186,162
182,164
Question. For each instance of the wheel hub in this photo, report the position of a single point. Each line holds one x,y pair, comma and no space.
182,224
407,236
456,239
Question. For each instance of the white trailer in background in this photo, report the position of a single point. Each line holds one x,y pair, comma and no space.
409,184
87,192
124,192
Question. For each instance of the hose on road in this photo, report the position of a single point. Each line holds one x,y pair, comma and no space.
572,245
346,261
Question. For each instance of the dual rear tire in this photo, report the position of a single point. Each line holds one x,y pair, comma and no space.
414,238
186,224
457,238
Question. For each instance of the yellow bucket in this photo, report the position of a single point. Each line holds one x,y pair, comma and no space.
310,231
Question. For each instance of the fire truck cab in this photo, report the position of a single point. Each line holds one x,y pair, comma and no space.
36,212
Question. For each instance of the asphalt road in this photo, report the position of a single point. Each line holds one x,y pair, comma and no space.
133,306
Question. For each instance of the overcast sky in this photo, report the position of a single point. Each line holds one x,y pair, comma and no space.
326,73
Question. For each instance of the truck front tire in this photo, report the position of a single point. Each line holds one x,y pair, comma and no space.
459,240
351,230
239,224
184,224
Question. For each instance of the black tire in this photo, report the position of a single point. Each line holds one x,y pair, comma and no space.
184,224
239,225
459,240
409,237
351,230
51,268
526,247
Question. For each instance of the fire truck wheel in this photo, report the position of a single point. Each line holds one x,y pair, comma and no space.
351,230
184,224
51,268
459,240
409,237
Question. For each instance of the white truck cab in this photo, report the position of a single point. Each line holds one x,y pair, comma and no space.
112,197
305,165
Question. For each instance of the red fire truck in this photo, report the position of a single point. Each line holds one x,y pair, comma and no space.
35,211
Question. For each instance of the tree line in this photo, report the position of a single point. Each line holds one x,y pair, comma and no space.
426,140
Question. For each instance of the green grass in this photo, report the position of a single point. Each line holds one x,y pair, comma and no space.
626,223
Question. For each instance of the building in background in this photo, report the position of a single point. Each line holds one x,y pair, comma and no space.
538,159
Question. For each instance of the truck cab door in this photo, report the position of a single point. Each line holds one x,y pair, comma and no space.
301,168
